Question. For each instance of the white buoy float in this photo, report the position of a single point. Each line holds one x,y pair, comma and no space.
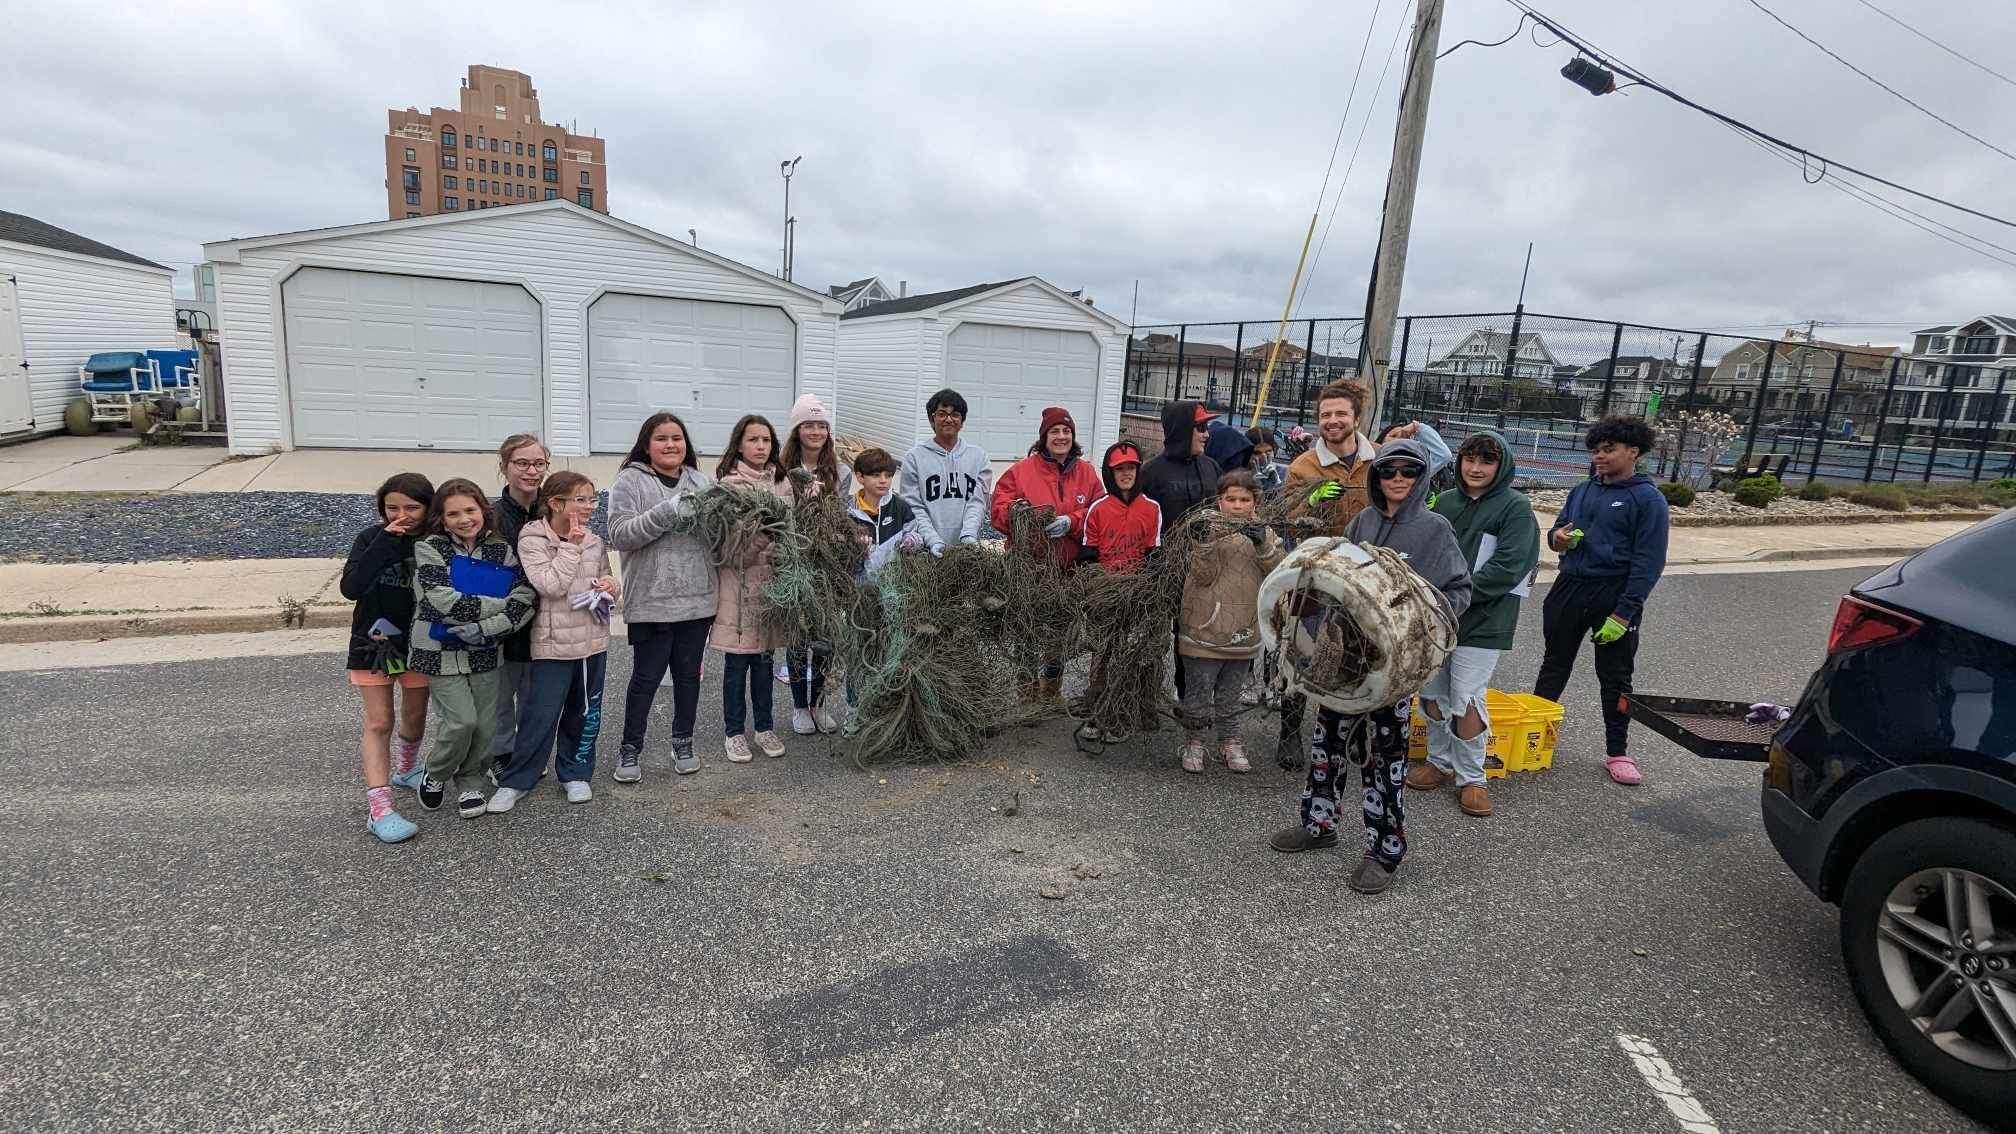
1353,627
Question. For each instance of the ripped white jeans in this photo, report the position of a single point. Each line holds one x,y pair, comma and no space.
1459,684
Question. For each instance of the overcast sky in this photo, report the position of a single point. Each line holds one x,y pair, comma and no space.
1180,145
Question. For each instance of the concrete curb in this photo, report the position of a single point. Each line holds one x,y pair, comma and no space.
97,627
1679,518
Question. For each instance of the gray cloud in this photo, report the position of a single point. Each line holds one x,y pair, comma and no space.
1180,145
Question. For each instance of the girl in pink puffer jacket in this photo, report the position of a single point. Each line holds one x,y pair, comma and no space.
568,565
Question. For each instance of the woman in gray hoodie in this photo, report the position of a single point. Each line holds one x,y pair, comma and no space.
668,587
1377,741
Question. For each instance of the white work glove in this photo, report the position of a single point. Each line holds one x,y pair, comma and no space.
1061,526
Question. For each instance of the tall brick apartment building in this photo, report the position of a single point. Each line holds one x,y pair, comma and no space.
494,151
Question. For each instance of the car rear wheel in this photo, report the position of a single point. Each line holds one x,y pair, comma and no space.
1928,934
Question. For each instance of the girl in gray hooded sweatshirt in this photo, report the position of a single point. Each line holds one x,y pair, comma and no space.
1377,741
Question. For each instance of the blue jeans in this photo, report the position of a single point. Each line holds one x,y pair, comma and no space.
563,699
748,673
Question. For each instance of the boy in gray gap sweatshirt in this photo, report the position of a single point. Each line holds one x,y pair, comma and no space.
947,481
1377,741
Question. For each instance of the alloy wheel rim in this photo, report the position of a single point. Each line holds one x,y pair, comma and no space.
1946,942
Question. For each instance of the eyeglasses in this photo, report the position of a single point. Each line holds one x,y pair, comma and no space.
531,466
1397,472
588,500
948,415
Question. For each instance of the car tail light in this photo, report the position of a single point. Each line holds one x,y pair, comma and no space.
1858,623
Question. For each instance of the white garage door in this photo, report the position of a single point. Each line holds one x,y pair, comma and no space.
708,362
1009,374
379,361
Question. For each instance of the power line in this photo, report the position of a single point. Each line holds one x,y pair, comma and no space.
1345,118
1371,106
1914,103
1928,39
1641,78
1516,29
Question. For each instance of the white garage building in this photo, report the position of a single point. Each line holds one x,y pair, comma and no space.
1009,348
457,330
63,298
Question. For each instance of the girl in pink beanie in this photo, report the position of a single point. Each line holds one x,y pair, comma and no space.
809,445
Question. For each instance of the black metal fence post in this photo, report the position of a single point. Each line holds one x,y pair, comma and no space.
1238,345
1693,381
1511,363
1939,422
1882,415
1757,409
1610,371
1826,411
1989,422
1308,353
1127,372
1182,333
1394,395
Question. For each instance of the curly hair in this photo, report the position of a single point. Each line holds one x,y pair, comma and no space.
1629,431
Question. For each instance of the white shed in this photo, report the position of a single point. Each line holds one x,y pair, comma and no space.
455,331
1009,348
63,298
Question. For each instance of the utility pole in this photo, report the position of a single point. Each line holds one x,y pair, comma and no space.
1389,263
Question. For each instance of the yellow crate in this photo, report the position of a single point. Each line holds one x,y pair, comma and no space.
1524,729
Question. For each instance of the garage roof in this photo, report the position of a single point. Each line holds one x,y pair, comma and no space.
936,299
19,229
228,251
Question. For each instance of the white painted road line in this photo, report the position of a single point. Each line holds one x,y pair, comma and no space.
1658,1075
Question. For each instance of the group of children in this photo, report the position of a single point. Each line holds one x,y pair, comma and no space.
498,613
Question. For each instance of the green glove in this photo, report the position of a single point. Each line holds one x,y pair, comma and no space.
1612,629
1328,490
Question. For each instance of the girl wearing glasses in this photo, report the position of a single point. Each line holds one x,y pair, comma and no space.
568,566
523,460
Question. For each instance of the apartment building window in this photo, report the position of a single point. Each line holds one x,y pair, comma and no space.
552,194
409,154
447,136
521,149
412,198
521,192
584,177
1940,343
550,153
493,166
451,204
448,161
585,198
450,182
1978,344
519,168
551,174
409,178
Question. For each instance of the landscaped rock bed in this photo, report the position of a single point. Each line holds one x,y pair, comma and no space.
1711,507
133,527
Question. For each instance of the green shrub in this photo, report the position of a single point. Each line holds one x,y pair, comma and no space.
1676,494
1815,490
2006,484
1759,491
1958,497
2000,493
1886,497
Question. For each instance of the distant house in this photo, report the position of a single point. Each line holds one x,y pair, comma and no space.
1481,354
1960,379
1801,372
1632,382
861,293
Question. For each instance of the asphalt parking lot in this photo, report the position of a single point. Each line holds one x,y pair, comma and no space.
202,937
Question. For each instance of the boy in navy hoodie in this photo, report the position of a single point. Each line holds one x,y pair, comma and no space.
1611,535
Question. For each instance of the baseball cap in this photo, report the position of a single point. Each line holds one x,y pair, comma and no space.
1204,415
1123,454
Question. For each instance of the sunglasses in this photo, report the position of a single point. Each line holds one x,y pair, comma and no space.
1397,471
1203,427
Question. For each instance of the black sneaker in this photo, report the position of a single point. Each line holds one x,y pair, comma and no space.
470,804
1294,840
497,766
431,792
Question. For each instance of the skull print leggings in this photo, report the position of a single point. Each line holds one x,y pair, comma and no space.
1377,743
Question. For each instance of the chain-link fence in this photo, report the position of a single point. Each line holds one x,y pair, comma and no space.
1943,409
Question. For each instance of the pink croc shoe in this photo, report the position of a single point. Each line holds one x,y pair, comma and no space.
1623,769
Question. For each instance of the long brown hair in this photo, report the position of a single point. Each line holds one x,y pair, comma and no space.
734,452
828,467
640,453
459,486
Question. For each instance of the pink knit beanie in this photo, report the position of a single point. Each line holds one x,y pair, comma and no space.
808,407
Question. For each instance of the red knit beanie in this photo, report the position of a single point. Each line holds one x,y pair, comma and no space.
1054,416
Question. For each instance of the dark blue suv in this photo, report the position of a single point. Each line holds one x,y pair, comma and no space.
1891,792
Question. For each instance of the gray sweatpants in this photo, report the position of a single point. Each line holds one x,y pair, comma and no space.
1211,697
514,681
465,716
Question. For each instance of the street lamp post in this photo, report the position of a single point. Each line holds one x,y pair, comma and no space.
788,169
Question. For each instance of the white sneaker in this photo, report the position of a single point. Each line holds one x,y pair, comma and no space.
824,720
738,749
802,722
578,791
770,743
502,800
782,673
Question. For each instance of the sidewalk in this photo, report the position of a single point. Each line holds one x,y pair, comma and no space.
58,602
115,463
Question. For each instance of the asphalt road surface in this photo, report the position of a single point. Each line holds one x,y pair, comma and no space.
200,935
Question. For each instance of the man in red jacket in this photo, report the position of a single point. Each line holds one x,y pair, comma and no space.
1054,475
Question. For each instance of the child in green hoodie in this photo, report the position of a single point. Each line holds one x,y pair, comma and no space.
1500,541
